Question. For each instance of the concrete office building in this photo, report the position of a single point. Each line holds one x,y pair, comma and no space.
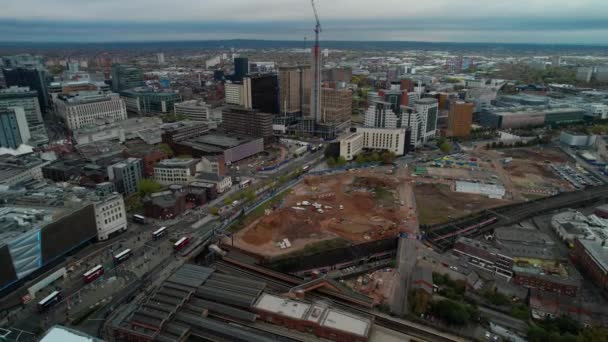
110,215
198,110
176,171
295,83
35,79
126,175
249,123
388,139
13,128
26,100
336,106
351,145
84,109
182,130
460,119
22,168
596,110
229,148
22,61
239,94
148,101
126,77
22,97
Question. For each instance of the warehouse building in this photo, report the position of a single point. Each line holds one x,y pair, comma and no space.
196,301
528,117
232,149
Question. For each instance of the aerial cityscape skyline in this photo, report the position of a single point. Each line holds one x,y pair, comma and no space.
564,22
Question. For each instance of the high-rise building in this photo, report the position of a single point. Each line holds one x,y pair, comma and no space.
264,93
126,175
126,77
336,106
246,122
161,58
35,79
294,89
428,110
147,101
241,69
23,61
13,128
239,93
460,119
381,115
23,97
85,108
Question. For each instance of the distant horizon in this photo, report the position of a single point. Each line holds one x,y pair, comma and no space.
301,42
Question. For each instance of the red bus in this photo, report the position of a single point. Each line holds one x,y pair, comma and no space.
159,233
181,243
122,256
49,301
93,274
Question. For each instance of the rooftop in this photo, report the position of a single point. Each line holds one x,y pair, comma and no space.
11,165
62,334
522,235
176,163
598,252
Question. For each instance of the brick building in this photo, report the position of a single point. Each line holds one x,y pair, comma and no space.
592,259
164,205
150,155
245,122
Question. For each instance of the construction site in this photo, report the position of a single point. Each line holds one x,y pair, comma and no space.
350,208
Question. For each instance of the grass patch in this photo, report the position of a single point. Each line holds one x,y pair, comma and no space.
383,195
428,215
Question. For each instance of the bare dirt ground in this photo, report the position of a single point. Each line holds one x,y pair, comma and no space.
438,203
371,211
377,285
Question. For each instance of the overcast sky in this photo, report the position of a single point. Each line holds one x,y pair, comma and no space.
513,21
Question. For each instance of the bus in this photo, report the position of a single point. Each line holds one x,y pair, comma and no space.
245,184
159,233
181,243
139,219
122,256
49,301
93,274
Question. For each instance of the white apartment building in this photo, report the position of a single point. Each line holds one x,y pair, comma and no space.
428,109
380,115
85,108
239,94
198,110
389,139
110,215
176,171
351,145
414,121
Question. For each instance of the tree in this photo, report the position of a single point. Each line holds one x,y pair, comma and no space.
148,186
341,161
56,69
228,200
360,159
167,149
388,157
446,147
419,301
214,211
331,162
250,195
452,312
375,157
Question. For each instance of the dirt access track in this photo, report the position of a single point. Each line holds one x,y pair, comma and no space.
357,206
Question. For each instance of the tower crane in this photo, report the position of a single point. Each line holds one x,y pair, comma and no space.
315,108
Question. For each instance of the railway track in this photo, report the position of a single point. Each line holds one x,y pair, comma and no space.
415,330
